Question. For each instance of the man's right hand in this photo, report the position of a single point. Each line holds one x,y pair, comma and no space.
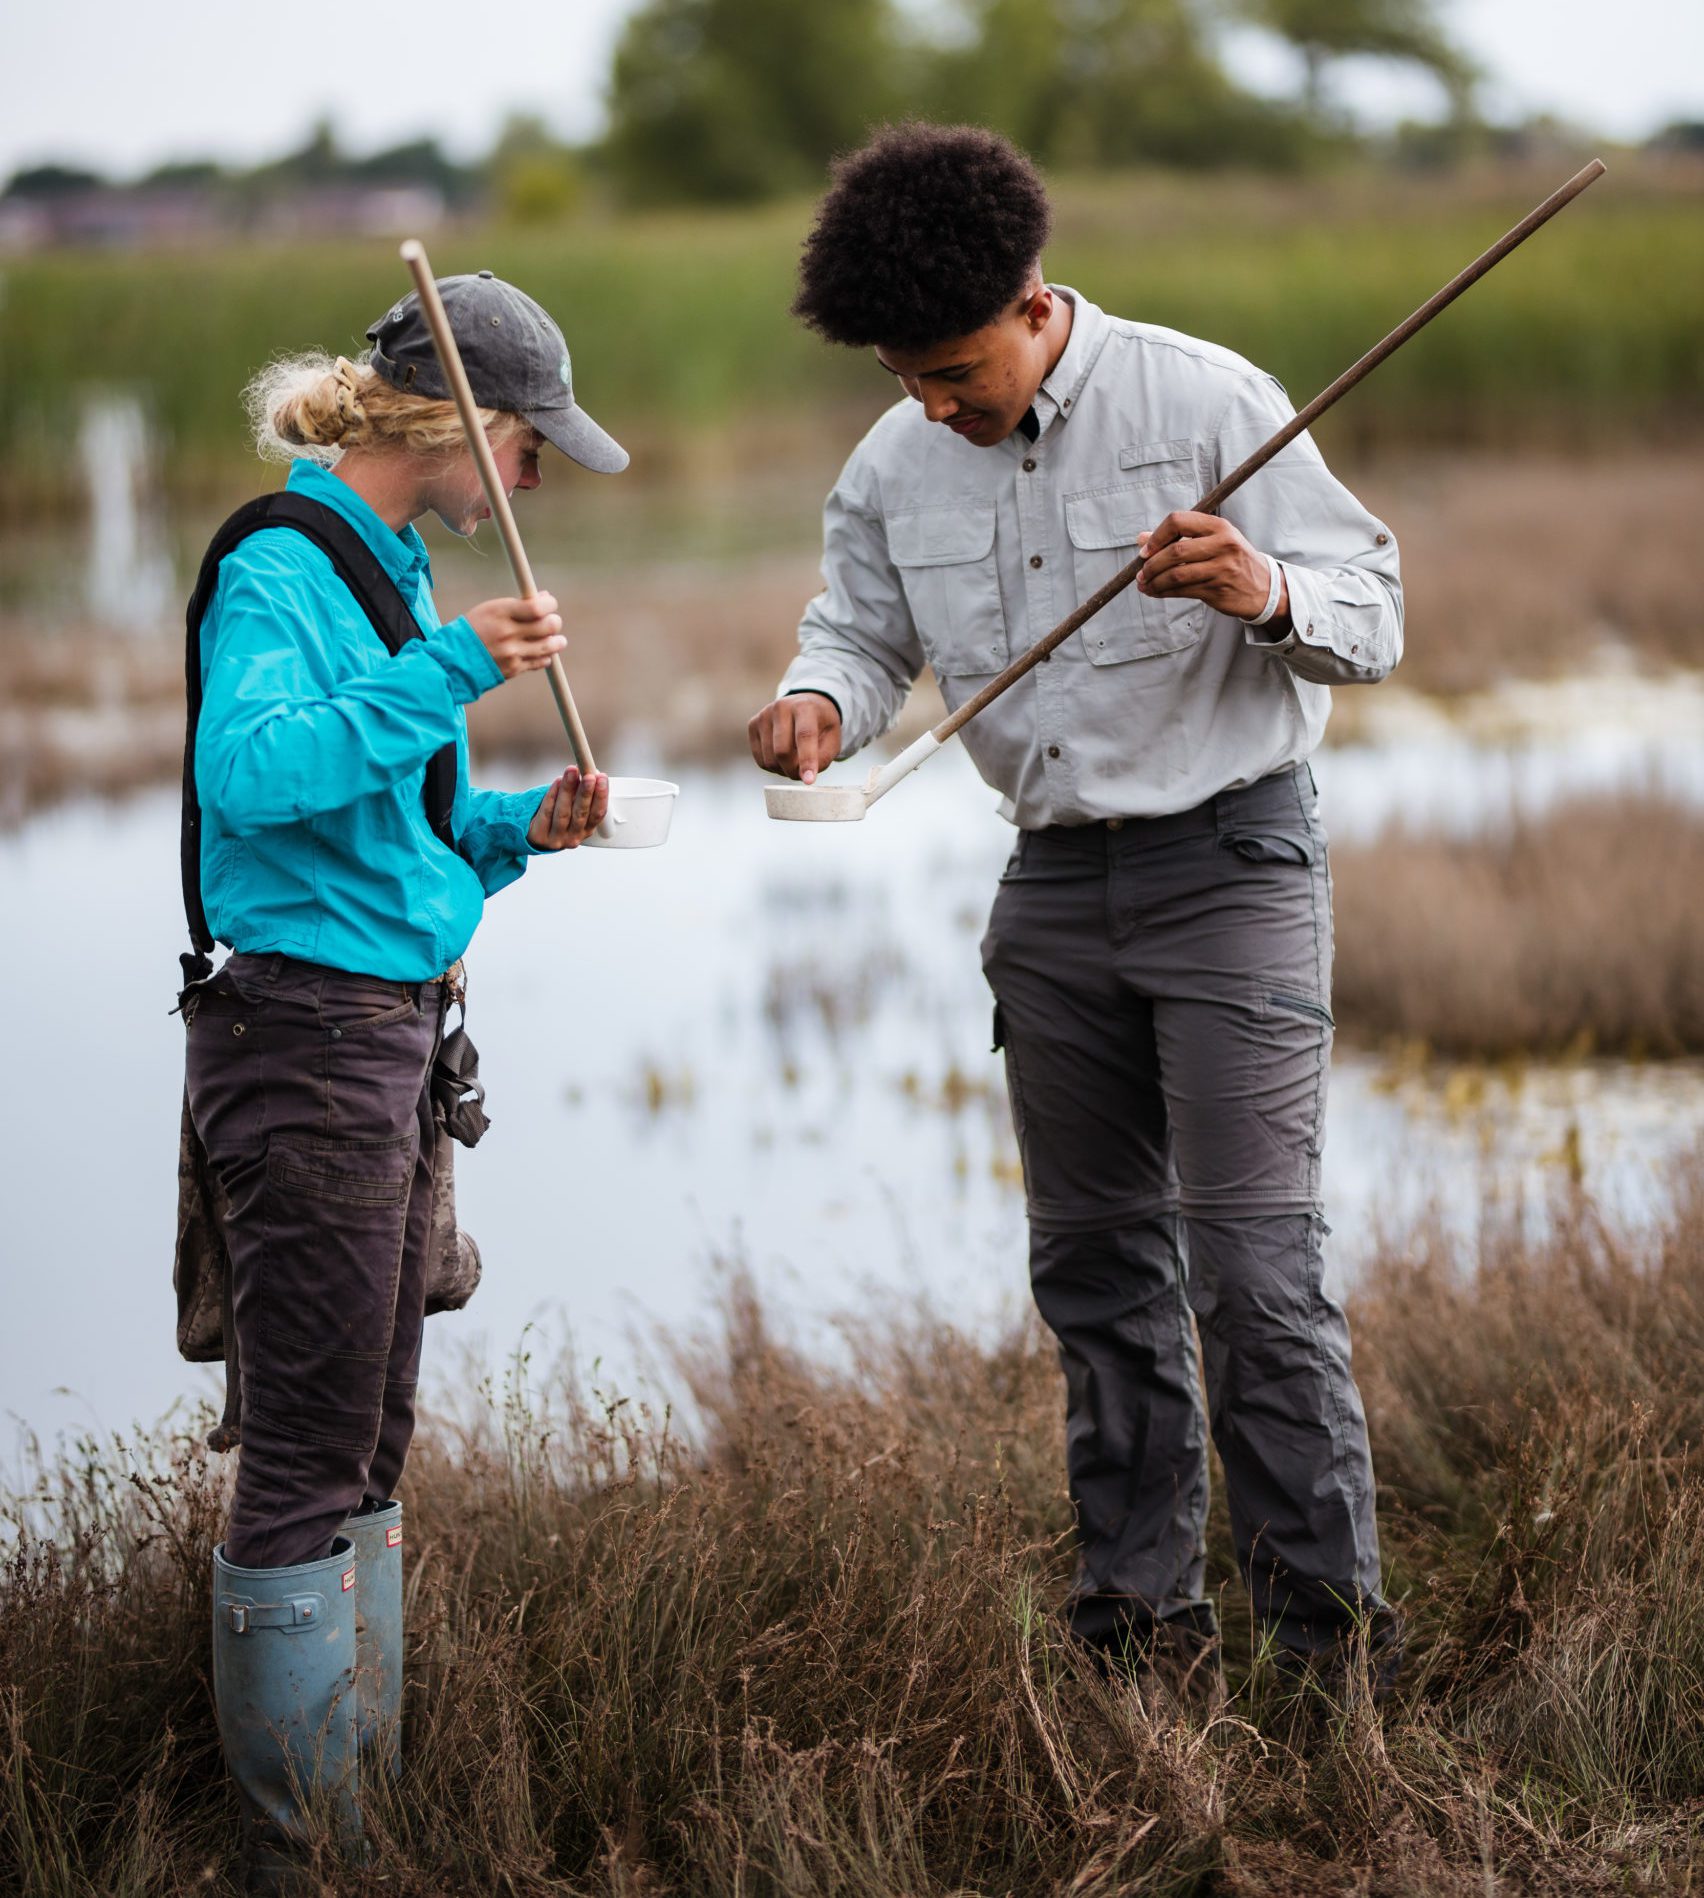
521,635
796,736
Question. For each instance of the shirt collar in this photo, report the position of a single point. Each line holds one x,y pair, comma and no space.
1061,391
402,553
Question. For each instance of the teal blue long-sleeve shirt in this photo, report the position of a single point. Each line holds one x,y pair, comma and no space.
311,754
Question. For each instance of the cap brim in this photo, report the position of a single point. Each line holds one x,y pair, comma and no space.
580,439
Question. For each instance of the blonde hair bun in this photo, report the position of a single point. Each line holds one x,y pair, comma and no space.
313,406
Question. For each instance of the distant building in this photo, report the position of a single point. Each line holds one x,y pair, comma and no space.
145,217
352,210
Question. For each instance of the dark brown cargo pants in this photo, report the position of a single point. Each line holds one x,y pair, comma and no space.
1163,990
309,1089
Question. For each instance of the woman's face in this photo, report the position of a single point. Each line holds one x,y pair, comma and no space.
455,495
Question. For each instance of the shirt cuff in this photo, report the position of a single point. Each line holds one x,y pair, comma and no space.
503,819
461,652
1302,618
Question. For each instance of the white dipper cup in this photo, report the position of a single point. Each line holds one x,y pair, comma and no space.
640,810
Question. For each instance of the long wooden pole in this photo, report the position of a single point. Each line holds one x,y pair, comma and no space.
414,255
1215,497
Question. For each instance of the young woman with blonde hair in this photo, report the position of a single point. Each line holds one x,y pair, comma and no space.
332,840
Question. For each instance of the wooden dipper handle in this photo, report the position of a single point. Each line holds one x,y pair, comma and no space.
414,255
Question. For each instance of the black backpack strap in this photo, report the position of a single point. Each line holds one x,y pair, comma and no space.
374,591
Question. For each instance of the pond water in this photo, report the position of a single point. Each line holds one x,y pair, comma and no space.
763,1044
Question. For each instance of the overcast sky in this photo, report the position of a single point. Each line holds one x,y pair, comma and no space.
120,86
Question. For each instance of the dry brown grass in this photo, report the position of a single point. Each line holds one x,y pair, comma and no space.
1578,932
1520,565
809,1649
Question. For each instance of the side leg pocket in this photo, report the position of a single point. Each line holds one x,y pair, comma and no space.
335,1220
1014,1087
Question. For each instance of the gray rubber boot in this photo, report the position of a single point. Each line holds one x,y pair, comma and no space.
283,1684
377,1536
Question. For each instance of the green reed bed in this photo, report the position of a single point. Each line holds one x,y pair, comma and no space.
806,1646
679,323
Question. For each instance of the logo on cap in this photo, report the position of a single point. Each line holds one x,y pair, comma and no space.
563,372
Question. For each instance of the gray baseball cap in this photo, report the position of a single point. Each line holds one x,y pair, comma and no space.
515,357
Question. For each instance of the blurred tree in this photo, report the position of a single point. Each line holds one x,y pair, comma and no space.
534,177
732,99
52,181
1679,135
1436,144
316,161
1407,30
1108,82
184,174
421,161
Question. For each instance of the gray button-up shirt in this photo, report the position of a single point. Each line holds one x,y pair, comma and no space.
939,553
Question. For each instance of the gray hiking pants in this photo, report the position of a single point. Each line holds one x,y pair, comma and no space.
1162,991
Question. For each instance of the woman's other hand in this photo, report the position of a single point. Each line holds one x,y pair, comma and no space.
569,811
521,635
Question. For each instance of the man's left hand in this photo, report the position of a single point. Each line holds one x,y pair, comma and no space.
1201,557
569,811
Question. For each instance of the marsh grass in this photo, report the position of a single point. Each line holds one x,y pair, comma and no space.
1577,932
679,324
806,1646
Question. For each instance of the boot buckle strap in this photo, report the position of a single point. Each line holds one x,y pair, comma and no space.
291,1615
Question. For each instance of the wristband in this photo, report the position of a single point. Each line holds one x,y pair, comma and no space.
1272,596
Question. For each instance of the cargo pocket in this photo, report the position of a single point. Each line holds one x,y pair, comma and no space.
1286,1002
334,1219
945,556
1014,1085
1102,524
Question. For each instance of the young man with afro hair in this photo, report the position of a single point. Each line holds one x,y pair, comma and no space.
1160,944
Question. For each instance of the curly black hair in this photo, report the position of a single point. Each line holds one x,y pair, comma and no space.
926,234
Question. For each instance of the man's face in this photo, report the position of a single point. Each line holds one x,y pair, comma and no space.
457,497
980,385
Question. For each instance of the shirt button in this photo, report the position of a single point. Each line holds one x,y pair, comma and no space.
1029,465
1115,823
1035,560
1381,538
1053,751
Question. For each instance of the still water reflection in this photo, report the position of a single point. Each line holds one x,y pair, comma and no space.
128,578
765,1043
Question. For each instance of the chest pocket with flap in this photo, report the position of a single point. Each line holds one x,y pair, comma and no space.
944,551
1102,524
